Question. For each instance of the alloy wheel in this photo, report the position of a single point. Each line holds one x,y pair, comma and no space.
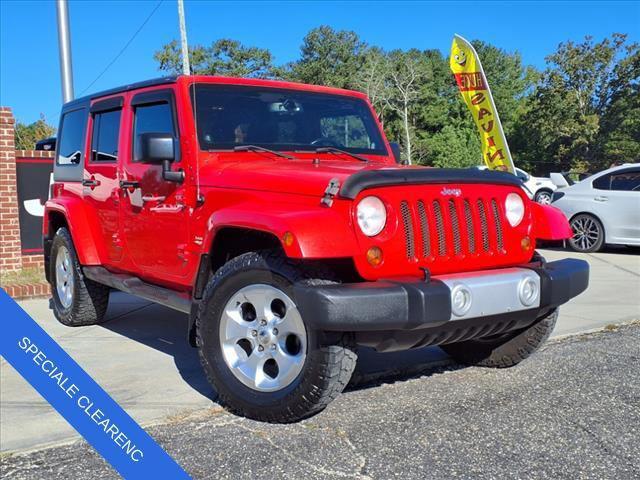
543,198
64,277
586,232
263,338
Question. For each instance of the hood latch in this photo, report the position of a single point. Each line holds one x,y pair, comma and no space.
330,192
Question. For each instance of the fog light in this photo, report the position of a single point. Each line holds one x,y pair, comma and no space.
374,256
460,300
528,291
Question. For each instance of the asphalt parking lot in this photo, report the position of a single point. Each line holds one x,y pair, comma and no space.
572,411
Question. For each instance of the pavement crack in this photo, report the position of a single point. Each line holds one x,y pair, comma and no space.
362,460
301,461
591,255
601,443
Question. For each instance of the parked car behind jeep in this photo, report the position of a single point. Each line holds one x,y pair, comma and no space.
275,215
603,208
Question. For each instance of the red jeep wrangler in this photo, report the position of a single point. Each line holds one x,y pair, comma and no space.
277,216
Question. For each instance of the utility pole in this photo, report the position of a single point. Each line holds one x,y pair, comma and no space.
64,48
186,68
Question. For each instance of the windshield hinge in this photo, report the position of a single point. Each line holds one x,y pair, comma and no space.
330,192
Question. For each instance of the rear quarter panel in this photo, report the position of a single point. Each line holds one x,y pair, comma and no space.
67,200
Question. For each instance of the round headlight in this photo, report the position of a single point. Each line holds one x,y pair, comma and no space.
372,216
514,209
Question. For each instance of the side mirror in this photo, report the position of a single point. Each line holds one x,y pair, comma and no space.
395,149
159,149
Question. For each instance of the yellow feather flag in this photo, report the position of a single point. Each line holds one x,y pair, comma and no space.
473,86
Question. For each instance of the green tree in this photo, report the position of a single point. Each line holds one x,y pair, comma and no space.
329,57
454,147
26,136
584,111
224,57
510,81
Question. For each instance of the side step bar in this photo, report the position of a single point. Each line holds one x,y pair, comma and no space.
133,285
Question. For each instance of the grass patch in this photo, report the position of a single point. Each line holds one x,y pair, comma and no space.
22,277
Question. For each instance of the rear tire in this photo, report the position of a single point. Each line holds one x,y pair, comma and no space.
77,301
235,346
504,350
588,233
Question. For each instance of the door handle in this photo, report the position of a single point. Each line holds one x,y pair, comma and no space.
129,184
167,208
90,182
601,199
153,198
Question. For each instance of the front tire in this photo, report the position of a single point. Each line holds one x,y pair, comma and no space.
588,233
77,301
262,359
505,350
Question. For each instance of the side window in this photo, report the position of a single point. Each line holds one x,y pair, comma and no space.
602,183
71,138
346,131
106,130
628,181
154,118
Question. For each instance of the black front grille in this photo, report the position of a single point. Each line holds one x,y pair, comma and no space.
496,218
455,227
442,244
472,224
408,229
424,229
468,218
482,213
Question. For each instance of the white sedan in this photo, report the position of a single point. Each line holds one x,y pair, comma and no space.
603,208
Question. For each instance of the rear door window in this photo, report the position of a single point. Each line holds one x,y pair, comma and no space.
628,181
70,140
106,133
622,181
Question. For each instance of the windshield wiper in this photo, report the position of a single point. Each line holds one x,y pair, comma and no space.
339,150
256,148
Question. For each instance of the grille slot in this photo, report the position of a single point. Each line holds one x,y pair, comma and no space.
483,225
455,225
442,246
471,235
405,211
498,220
424,229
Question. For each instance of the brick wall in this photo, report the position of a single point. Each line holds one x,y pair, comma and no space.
10,253
11,258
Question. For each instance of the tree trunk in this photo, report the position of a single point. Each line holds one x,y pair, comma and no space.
407,132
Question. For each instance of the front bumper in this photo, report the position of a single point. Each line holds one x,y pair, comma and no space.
395,305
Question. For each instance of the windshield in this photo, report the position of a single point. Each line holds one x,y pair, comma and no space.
229,116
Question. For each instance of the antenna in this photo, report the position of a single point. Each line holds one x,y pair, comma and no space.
186,68
64,47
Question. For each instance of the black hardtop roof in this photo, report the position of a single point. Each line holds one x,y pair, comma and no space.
124,88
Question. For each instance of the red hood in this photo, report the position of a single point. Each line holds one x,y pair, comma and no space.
301,177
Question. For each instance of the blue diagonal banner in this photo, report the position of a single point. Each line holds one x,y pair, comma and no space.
79,399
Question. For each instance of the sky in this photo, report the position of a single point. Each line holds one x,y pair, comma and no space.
30,72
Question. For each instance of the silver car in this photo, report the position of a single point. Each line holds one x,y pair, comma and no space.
603,208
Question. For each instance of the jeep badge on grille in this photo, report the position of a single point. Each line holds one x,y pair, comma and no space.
456,192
